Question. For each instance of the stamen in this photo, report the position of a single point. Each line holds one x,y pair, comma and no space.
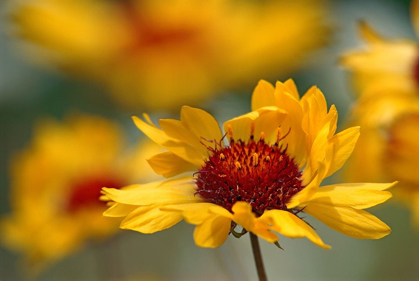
255,159
222,157
230,133
262,136
278,134
252,130
267,158
238,165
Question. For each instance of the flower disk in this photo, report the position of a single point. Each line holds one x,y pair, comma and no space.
261,174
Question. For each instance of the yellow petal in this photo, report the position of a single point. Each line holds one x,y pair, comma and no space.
212,232
195,213
368,33
244,216
175,191
119,210
354,195
263,95
309,190
175,129
168,164
344,143
150,219
292,88
179,148
290,225
352,222
201,123
296,138
266,120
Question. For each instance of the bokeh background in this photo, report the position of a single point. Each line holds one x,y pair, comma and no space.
29,92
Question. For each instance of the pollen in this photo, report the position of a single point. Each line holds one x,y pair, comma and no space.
261,174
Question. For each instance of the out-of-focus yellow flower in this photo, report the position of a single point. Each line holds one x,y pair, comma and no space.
159,55
56,183
387,79
269,171
389,145
388,62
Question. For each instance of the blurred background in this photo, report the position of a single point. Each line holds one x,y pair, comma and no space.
65,64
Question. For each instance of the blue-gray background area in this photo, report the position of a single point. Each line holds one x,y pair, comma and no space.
28,92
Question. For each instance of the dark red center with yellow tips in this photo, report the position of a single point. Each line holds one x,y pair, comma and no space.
85,193
263,175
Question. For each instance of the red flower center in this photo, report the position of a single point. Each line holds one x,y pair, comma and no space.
85,193
263,175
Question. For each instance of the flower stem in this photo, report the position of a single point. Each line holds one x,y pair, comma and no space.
258,257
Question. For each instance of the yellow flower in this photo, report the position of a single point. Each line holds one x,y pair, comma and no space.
56,183
269,170
387,80
389,147
155,55
394,62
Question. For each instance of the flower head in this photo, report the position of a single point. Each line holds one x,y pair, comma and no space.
193,46
385,62
387,80
56,183
260,174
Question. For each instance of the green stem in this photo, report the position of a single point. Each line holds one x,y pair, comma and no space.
258,257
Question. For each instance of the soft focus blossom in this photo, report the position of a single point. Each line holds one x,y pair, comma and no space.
386,76
156,54
385,62
260,175
56,182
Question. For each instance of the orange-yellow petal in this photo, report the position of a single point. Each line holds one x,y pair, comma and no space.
212,232
244,216
167,192
344,143
263,95
290,225
168,164
349,221
150,219
354,195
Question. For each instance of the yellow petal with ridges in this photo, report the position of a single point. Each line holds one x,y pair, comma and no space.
194,213
354,195
212,232
292,88
175,191
181,149
344,143
119,210
243,215
150,219
296,139
202,124
309,190
265,119
169,165
263,95
349,221
290,225
175,129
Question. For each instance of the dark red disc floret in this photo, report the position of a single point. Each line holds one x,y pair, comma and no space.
261,174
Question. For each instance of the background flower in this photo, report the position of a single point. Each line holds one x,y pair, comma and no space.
154,55
56,184
386,80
